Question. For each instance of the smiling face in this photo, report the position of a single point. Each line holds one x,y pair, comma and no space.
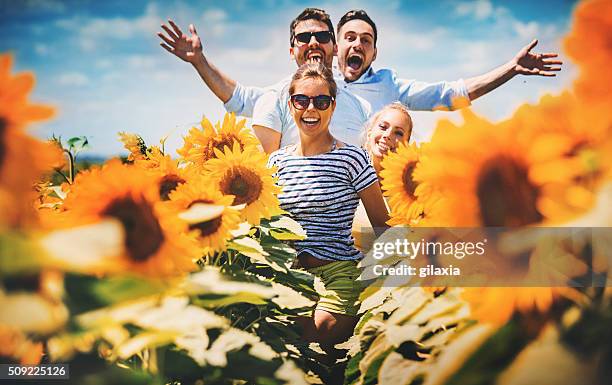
313,51
311,121
356,50
390,128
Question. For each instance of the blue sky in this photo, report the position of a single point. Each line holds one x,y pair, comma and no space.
100,64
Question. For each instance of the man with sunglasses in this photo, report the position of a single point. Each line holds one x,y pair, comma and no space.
311,39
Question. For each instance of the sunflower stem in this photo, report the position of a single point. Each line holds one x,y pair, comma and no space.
63,175
70,166
153,367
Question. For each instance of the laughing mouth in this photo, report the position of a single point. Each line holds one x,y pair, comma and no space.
384,148
314,56
310,121
354,62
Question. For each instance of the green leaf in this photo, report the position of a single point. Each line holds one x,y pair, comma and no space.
493,356
217,300
246,246
352,373
123,288
77,143
19,254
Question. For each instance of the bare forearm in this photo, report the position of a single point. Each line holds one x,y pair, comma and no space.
219,83
483,84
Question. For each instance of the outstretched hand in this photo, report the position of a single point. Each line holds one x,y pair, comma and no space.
187,48
542,64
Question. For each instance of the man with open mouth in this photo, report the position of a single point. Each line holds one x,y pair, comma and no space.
357,37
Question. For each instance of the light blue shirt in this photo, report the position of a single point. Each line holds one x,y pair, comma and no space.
379,88
272,110
383,87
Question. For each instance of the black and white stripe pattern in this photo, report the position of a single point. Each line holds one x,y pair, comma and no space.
320,192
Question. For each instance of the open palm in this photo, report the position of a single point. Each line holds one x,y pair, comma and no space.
542,64
187,48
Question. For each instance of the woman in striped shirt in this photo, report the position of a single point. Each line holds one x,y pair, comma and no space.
323,180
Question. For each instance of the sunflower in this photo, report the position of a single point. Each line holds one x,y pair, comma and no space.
244,175
588,43
153,243
496,305
200,144
15,109
18,149
15,347
166,170
399,186
502,174
580,140
135,145
196,198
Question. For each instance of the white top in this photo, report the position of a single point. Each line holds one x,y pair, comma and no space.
348,121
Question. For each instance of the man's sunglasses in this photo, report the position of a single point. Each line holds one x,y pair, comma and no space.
302,102
321,36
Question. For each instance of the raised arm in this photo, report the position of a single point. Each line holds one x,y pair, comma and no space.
189,49
524,63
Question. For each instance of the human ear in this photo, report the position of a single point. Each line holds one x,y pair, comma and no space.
291,55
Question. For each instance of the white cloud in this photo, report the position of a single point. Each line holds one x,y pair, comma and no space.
41,49
215,21
104,64
479,10
72,79
477,57
527,31
140,62
91,33
396,36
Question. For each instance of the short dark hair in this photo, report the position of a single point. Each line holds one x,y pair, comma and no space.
358,14
311,14
314,71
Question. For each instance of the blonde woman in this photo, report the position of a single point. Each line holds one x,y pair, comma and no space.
383,132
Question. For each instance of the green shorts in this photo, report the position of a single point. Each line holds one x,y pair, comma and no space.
338,287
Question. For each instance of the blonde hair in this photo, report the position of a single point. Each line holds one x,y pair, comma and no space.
372,122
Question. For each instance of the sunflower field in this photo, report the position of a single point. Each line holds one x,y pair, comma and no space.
162,269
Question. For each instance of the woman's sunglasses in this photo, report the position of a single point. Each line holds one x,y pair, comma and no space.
302,102
321,36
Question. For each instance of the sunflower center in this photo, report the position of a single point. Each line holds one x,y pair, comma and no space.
505,195
206,227
2,129
407,181
577,148
143,234
167,184
243,183
219,143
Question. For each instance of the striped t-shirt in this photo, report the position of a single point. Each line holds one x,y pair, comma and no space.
320,192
